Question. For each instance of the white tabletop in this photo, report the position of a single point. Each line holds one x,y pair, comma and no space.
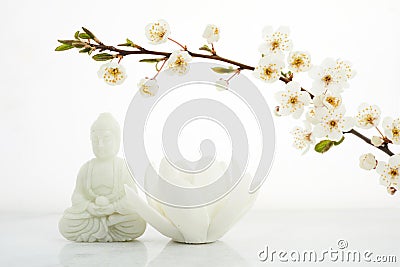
33,240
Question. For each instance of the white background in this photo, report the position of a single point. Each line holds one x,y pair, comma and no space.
48,99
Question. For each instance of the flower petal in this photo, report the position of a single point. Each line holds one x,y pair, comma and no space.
380,167
293,86
394,161
319,131
348,123
335,135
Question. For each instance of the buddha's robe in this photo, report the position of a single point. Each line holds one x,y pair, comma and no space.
86,222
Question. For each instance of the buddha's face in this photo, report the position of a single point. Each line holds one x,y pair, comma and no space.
104,144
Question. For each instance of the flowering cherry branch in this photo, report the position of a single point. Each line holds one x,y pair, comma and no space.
383,147
143,51
325,117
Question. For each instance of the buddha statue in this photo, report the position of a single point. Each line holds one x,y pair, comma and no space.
100,211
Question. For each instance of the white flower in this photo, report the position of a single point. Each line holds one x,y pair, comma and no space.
311,116
178,62
148,87
332,123
328,100
158,32
211,33
390,172
303,137
112,73
222,85
368,116
292,100
392,129
376,141
328,76
269,69
346,66
332,101
368,162
299,61
275,42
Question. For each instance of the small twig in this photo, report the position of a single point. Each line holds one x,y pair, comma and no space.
233,75
213,49
183,47
159,70
379,131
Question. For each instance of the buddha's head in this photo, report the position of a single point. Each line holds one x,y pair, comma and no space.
106,137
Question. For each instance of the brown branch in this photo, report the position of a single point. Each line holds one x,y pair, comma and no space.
143,51
384,147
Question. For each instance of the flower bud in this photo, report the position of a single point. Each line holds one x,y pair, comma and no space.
391,190
376,141
148,87
276,111
211,33
368,162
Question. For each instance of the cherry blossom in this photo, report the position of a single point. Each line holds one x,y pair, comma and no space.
328,76
269,69
211,33
293,100
275,42
112,73
303,137
368,162
368,116
390,172
157,32
392,129
299,61
178,62
148,87
332,123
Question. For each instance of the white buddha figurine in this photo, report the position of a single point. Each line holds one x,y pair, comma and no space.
100,211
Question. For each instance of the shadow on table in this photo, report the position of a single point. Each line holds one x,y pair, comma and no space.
213,254
103,254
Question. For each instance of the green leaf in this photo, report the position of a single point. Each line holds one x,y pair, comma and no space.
76,35
223,70
206,48
323,146
339,142
67,42
78,44
85,50
103,57
129,43
64,47
152,60
89,33
84,36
